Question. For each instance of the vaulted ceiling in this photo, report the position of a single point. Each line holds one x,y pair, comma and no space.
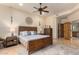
54,8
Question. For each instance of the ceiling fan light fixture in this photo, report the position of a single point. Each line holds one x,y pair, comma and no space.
41,9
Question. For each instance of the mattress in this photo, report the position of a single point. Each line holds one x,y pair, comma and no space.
32,37
24,39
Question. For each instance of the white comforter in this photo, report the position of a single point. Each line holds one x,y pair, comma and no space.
25,39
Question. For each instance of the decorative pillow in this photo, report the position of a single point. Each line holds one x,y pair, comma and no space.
28,33
24,33
33,33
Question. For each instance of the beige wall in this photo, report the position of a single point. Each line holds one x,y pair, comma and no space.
19,20
52,21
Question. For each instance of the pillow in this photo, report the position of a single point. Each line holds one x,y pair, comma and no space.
28,33
33,33
24,33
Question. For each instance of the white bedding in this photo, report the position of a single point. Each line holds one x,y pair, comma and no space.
24,39
32,37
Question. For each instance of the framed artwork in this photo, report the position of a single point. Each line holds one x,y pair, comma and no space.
29,20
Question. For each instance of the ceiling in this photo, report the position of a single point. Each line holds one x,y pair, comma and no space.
54,8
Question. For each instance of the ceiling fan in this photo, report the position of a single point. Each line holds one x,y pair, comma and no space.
41,9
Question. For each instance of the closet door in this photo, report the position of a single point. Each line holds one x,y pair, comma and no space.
67,30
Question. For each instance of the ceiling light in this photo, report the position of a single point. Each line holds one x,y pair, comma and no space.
20,4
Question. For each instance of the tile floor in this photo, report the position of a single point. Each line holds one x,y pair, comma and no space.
60,47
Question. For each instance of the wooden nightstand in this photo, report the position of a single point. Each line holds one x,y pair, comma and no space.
1,43
10,41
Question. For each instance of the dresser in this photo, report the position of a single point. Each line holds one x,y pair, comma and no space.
48,31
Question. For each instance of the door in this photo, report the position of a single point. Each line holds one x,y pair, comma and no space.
67,30
60,30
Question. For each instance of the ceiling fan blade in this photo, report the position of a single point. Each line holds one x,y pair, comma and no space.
45,7
35,7
46,11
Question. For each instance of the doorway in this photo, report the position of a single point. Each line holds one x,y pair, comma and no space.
60,30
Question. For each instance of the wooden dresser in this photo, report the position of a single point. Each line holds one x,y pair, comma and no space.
48,31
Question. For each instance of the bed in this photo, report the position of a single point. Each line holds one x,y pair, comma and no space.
34,42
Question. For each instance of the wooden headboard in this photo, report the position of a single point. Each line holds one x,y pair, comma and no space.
25,28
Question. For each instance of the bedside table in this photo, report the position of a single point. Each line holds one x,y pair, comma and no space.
1,43
10,41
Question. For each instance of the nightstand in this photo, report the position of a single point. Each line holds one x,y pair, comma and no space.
2,41
11,40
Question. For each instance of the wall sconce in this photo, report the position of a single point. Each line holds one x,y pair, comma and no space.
12,29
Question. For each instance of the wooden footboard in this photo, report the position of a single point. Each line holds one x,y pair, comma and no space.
35,45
